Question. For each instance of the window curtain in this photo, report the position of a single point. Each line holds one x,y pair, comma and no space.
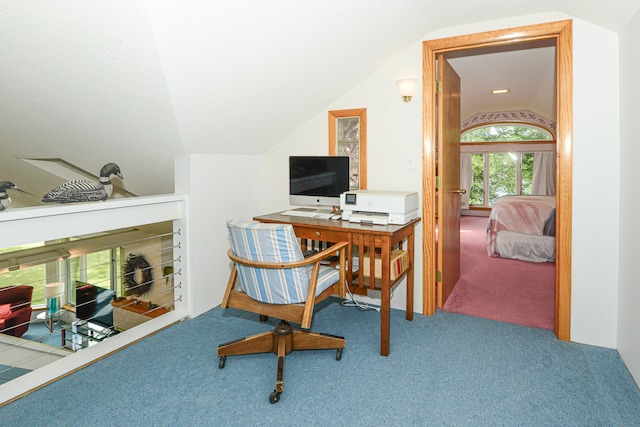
466,175
544,174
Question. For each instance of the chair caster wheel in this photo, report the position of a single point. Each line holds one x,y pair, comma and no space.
221,363
274,397
338,354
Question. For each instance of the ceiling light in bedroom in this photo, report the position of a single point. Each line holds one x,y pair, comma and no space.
498,91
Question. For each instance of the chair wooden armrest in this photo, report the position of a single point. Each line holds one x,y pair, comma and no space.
298,313
314,259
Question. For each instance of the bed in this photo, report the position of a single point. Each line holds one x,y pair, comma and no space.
523,227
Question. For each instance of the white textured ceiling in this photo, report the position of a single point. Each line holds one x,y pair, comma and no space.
141,82
527,70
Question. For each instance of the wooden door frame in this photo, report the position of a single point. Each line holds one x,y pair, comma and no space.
561,31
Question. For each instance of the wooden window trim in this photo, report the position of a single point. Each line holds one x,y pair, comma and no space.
361,113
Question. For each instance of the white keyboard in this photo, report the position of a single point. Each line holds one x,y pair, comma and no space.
323,215
308,213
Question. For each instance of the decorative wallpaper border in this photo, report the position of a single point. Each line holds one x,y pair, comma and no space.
522,116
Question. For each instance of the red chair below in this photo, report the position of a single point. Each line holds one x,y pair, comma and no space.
15,309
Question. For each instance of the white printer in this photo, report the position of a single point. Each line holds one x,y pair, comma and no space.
379,207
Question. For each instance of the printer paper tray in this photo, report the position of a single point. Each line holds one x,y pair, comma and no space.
364,218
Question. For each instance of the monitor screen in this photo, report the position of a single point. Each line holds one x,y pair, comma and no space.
318,180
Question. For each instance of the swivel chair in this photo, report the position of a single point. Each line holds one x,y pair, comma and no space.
276,280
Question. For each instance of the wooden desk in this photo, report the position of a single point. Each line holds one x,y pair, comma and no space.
366,238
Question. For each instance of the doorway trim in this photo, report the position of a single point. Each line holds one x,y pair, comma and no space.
561,31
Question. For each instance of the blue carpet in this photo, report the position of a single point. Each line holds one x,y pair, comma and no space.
39,332
447,369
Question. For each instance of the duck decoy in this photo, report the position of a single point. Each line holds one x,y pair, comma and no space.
84,190
5,200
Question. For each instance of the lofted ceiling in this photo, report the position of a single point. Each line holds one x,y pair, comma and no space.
142,82
526,70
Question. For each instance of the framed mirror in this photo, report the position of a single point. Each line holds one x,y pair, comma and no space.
348,137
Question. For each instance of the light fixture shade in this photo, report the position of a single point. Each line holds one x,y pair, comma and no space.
407,88
52,290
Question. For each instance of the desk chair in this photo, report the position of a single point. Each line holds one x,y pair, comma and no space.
276,280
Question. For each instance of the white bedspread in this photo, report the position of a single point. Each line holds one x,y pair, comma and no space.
528,224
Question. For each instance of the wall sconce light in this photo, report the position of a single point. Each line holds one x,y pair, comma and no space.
407,88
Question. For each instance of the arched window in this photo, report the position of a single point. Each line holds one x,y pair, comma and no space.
499,159
506,133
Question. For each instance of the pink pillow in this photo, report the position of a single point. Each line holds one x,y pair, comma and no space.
5,310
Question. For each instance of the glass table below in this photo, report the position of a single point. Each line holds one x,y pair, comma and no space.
82,334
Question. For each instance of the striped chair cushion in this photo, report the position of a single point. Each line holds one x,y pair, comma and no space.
257,241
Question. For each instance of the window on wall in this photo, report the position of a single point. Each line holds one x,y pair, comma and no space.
31,276
506,133
99,269
500,174
502,160
348,137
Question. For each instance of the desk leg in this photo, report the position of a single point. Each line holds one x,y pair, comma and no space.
410,290
348,281
385,318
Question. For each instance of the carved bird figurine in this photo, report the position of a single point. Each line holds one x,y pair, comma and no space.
5,200
84,190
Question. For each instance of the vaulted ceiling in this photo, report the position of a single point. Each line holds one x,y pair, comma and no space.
141,82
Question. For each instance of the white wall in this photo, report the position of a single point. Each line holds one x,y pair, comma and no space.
394,132
596,188
219,187
629,291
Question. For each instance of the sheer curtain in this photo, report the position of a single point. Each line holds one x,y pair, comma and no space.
544,174
466,175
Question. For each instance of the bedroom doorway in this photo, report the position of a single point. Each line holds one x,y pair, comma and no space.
560,32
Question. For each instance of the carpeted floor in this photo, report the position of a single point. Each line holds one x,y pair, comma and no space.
446,369
39,332
507,290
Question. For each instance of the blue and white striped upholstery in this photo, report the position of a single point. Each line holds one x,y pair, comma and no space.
262,242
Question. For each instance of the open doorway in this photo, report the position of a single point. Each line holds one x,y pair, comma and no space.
560,33
507,158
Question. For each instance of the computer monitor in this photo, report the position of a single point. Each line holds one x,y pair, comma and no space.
318,181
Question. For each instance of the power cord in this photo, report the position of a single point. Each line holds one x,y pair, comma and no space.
361,305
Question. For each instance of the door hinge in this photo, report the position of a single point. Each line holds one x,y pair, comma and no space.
438,86
438,276
438,182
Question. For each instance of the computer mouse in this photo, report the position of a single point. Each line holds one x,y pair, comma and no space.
336,217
